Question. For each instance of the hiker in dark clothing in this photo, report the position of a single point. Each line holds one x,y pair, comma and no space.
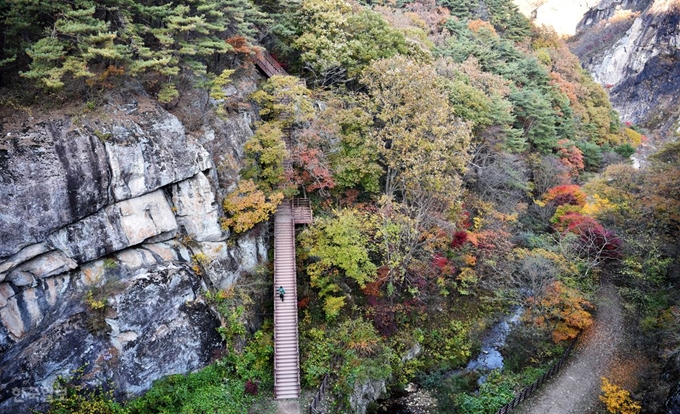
281,292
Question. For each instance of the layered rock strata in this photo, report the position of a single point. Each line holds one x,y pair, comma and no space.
120,197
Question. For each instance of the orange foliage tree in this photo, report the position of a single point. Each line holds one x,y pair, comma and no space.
562,310
571,156
248,205
565,194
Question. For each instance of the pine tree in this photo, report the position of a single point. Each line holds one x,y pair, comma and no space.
535,116
76,39
463,9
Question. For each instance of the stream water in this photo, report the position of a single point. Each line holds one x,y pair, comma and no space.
489,359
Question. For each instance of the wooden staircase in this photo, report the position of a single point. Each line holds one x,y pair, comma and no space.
286,348
268,64
289,213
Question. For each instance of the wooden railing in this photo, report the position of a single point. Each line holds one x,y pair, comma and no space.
268,64
526,392
315,404
318,397
302,211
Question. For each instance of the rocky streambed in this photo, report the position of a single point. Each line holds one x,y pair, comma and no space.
417,400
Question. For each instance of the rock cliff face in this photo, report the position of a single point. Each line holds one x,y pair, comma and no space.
641,68
630,47
117,197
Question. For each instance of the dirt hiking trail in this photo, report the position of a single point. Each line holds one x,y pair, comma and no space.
576,388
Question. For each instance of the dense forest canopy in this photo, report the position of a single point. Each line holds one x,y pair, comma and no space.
459,161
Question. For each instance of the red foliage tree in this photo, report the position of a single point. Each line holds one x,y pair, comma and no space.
565,194
459,239
594,243
570,156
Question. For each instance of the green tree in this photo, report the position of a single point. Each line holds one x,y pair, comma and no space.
355,160
463,9
284,99
340,252
422,146
535,116
265,152
70,40
336,40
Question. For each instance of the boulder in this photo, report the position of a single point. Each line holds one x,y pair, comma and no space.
365,393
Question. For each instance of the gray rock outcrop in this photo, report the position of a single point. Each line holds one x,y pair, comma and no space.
158,326
641,69
365,393
122,196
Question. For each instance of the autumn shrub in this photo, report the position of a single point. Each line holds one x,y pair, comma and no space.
569,210
351,350
96,299
594,242
309,156
247,205
565,194
617,400
73,398
448,346
562,310
634,137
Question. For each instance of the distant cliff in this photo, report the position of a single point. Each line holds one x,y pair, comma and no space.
630,47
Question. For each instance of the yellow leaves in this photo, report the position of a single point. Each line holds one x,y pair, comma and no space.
469,260
94,304
618,400
225,294
596,204
216,89
466,278
332,306
363,347
248,205
634,137
423,146
479,25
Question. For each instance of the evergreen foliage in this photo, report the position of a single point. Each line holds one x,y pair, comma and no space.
72,40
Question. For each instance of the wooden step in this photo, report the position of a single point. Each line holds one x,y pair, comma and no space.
286,347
